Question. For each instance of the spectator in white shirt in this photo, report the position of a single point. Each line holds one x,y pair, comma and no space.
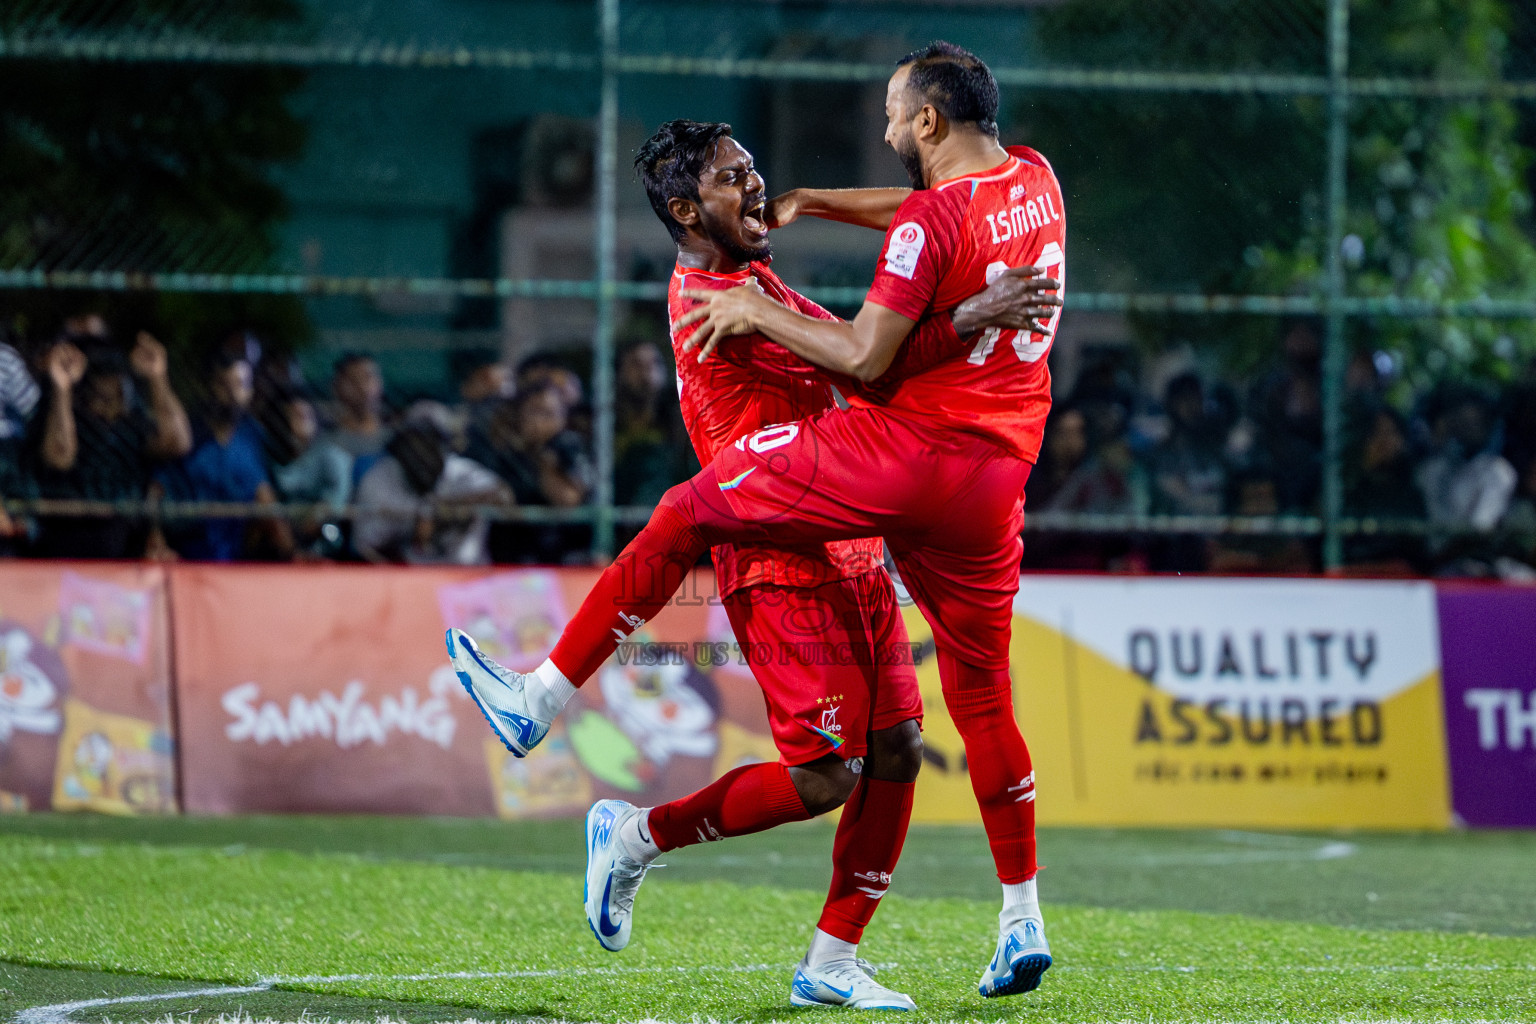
399,499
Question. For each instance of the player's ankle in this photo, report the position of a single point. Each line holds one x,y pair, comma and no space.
826,949
548,690
1021,902
635,838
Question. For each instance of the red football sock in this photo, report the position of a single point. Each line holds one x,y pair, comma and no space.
630,592
980,702
870,835
748,799
647,573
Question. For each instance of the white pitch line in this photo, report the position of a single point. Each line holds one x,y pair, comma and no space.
556,972
59,1013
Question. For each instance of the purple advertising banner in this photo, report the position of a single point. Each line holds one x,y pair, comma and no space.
1488,654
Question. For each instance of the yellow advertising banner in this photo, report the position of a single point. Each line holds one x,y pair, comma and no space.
1252,703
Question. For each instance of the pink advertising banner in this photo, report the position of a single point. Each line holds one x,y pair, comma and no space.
85,688
329,689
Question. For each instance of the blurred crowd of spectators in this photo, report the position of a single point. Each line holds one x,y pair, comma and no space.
86,415
89,416
1461,459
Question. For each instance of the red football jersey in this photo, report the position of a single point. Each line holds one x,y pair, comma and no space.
749,383
945,244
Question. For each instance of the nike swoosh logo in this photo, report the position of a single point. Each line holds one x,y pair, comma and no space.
837,991
604,923
731,485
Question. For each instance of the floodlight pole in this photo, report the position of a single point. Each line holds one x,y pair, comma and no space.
606,244
1334,343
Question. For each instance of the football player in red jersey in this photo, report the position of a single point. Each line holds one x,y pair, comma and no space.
964,431
827,714
968,428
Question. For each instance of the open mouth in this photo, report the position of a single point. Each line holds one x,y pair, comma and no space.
754,219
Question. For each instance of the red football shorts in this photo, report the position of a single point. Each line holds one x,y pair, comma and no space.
833,662
950,506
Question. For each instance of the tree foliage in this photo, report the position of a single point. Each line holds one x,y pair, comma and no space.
145,167
1227,193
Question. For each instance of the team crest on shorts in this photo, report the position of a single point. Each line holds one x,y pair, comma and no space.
829,729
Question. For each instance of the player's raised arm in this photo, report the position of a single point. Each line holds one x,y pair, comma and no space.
866,207
865,347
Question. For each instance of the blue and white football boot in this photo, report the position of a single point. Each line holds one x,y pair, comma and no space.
1021,958
613,877
844,983
499,693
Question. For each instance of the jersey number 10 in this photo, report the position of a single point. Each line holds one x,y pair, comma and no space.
1054,262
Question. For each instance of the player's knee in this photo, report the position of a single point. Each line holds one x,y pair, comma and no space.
972,692
895,754
677,496
823,785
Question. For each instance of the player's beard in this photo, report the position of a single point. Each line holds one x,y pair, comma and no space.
906,152
724,235
745,254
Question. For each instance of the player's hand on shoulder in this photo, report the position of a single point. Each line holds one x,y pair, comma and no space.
782,209
720,314
1020,298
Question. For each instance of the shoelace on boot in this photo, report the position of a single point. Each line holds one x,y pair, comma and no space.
627,876
857,969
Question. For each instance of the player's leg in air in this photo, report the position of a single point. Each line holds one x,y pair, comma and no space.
955,502
846,721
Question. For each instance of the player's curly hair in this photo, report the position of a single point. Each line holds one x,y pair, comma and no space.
670,162
957,82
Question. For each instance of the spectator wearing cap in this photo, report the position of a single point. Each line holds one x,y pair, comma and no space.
95,441
400,498
358,389
226,464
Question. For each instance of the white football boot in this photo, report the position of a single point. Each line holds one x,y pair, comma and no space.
500,694
613,877
844,983
1021,958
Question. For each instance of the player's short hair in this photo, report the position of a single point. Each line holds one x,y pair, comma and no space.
670,162
957,82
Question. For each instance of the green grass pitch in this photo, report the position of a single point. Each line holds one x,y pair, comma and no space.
366,918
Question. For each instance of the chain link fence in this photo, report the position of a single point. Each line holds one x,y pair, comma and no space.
1300,326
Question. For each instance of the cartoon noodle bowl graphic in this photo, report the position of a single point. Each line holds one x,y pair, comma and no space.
93,758
28,696
32,687
659,710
